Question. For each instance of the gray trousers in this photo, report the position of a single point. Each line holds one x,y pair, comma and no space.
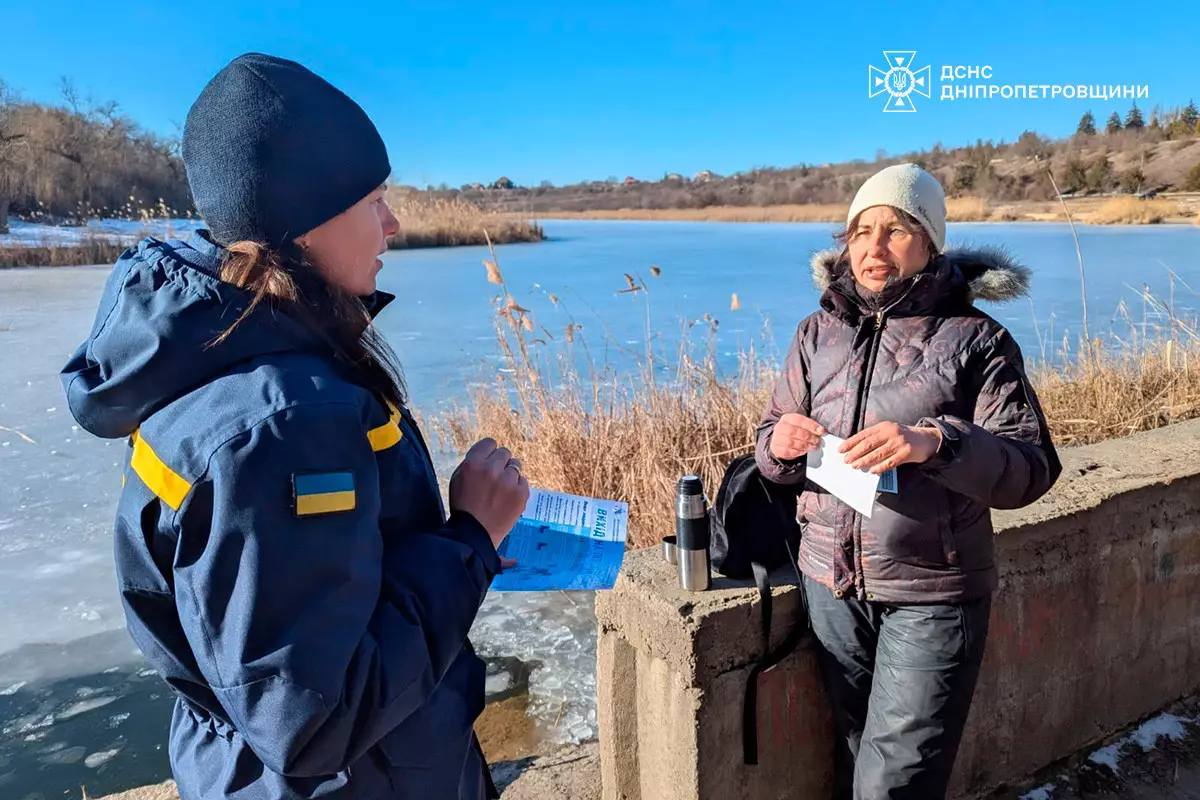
900,680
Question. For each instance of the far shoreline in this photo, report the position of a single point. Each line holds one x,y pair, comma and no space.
103,250
1179,209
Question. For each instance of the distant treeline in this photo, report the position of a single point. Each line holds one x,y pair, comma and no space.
1129,154
81,159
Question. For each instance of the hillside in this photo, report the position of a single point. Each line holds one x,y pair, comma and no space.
1163,155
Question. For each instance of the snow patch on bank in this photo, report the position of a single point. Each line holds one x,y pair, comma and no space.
1146,736
1043,792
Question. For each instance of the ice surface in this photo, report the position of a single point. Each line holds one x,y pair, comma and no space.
97,759
555,634
68,755
82,707
115,230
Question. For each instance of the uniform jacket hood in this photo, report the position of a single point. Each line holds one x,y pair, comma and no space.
151,342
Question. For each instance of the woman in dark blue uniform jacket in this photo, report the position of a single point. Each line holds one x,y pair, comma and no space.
282,551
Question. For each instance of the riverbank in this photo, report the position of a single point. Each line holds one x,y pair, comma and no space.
1121,210
1158,759
568,773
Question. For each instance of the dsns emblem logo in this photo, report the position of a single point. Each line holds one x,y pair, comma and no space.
900,82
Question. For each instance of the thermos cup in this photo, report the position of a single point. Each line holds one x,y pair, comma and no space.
692,534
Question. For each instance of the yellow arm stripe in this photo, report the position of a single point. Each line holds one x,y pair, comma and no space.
166,483
324,503
388,434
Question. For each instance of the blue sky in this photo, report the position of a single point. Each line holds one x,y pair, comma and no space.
565,91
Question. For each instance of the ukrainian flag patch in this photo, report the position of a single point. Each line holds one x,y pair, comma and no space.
316,493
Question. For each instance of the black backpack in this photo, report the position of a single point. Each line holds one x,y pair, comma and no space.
754,530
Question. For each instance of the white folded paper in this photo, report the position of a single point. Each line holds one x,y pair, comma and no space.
827,468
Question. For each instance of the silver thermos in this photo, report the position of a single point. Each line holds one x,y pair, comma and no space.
692,534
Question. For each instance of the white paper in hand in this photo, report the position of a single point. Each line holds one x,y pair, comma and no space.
827,468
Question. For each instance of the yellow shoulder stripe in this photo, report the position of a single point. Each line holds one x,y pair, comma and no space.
388,434
166,483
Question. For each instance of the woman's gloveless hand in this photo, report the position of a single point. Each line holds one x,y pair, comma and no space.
489,486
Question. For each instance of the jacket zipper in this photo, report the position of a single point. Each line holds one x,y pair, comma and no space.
860,415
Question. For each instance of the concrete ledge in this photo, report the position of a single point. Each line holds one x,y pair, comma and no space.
1096,623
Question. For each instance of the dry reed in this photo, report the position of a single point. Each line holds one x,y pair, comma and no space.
1095,210
958,209
426,222
777,213
967,209
1111,394
91,250
1132,211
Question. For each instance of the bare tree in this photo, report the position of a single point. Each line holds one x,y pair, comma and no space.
11,141
83,158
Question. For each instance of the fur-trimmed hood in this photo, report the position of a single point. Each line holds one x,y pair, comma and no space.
990,272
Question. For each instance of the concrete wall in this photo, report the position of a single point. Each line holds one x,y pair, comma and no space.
1096,623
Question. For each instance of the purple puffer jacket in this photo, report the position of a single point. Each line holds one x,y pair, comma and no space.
924,355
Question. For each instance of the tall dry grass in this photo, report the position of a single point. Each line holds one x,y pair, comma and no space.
91,250
581,428
1116,393
1095,210
958,209
816,212
1132,211
967,209
428,222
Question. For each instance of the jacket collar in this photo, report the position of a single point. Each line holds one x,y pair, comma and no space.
950,283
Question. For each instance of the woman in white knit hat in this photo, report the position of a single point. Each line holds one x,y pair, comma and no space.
930,393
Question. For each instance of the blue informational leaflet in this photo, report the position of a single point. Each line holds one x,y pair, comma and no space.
563,541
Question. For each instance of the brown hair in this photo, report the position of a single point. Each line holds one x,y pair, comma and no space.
907,221
338,318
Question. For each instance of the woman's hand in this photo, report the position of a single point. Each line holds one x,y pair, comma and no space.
890,444
489,486
794,435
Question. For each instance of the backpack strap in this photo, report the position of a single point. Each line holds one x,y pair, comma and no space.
801,631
